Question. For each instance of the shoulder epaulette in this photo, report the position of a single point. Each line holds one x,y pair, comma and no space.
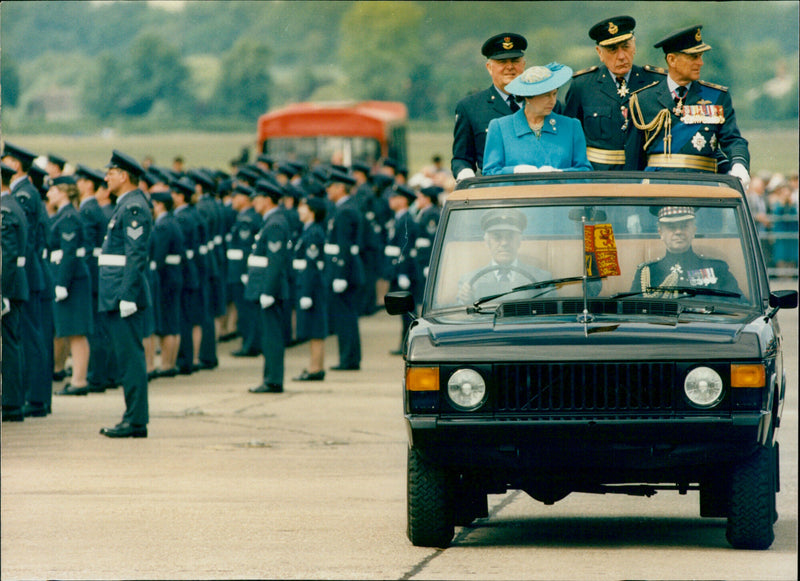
645,87
652,69
714,86
584,71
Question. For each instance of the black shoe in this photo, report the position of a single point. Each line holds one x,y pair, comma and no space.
125,430
69,390
95,388
346,368
185,370
306,376
241,353
35,410
13,414
207,365
169,372
267,388
59,375
228,337
151,375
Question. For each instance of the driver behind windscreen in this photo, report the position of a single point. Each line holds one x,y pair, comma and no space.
680,266
502,232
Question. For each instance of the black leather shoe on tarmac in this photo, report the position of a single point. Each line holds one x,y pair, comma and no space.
13,414
35,410
168,372
306,376
241,353
69,390
95,388
125,430
267,388
346,368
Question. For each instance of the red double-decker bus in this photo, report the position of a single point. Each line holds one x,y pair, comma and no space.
340,132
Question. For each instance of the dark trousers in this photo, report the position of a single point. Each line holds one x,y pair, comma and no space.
102,366
38,372
249,324
13,361
126,341
208,342
345,309
273,342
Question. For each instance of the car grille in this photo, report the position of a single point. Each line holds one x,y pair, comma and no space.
606,388
529,308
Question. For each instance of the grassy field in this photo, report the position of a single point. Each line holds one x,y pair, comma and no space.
772,151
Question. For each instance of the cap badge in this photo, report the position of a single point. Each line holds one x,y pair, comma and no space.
612,28
697,36
507,44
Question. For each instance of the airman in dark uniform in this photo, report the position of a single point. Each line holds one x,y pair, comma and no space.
684,123
598,96
428,213
15,294
680,266
124,293
267,283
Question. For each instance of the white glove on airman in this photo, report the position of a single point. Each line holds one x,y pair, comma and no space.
339,285
127,308
266,301
61,293
306,303
738,170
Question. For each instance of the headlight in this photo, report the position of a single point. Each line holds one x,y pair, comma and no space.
703,387
466,389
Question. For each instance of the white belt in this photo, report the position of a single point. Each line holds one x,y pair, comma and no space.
97,251
190,254
172,259
299,264
21,261
111,260
423,243
235,254
257,261
218,239
332,249
392,251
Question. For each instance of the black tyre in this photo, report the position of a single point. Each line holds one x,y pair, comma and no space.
752,503
430,504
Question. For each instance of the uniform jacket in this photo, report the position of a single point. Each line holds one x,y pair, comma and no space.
593,99
128,235
187,221
240,242
94,227
14,242
269,262
511,142
206,216
167,253
30,201
343,249
688,270
65,241
706,127
428,221
400,248
309,264
491,283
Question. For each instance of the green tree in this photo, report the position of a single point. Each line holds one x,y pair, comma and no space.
155,73
102,91
380,49
10,82
244,84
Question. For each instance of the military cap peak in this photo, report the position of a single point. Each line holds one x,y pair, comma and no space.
652,69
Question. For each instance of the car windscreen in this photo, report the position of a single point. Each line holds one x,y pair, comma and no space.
641,247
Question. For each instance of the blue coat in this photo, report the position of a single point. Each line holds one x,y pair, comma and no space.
511,142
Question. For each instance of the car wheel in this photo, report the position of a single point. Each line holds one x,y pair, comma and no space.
752,503
430,503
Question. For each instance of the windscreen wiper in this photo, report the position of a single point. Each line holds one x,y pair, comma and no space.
476,306
688,290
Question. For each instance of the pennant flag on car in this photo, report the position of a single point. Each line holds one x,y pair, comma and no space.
600,250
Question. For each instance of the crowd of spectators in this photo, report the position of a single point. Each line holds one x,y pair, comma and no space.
773,200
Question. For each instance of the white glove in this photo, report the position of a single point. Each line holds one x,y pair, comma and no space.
127,308
403,281
306,303
266,301
244,278
549,168
738,170
61,293
339,285
6,305
465,173
525,168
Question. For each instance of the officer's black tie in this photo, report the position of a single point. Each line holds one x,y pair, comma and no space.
681,93
512,102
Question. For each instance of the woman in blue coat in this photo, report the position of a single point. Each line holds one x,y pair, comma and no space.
73,288
311,291
534,138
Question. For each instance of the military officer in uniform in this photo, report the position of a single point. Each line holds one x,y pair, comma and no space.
36,315
345,268
124,293
598,96
428,213
684,123
504,61
15,294
680,266
267,284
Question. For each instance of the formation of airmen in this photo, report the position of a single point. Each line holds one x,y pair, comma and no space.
112,266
